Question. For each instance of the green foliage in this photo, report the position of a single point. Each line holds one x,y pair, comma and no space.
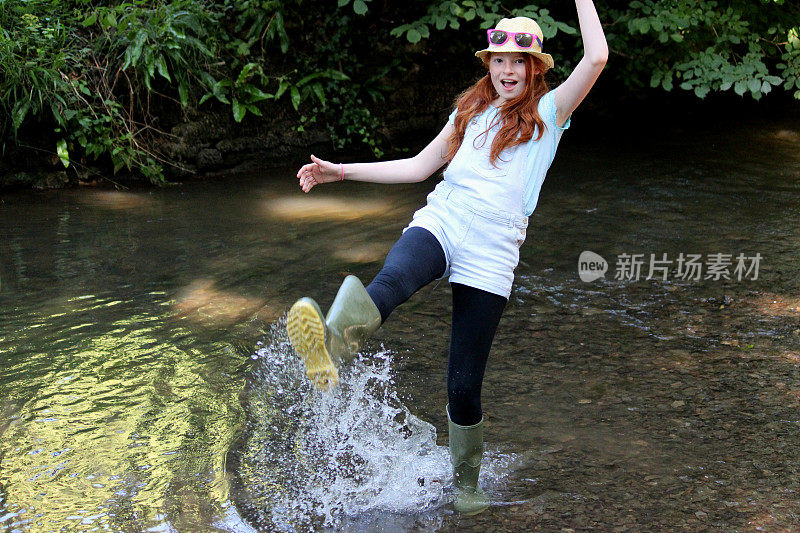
81,68
93,71
63,152
359,6
700,45
97,74
450,14
705,46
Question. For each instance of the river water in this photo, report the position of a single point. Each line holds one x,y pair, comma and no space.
146,382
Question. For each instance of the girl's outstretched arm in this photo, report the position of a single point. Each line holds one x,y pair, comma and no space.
595,54
417,168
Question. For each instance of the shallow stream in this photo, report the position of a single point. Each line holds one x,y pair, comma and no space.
146,382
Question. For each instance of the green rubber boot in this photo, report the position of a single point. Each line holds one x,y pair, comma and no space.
324,344
466,452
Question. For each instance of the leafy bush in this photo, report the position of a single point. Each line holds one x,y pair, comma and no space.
83,73
702,45
706,46
98,75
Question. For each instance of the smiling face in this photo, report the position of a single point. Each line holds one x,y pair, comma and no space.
508,73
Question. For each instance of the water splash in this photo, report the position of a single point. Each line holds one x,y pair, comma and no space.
316,459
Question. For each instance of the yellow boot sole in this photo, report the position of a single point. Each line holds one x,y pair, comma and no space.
306,329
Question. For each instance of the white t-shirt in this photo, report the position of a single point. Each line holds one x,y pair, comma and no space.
514,184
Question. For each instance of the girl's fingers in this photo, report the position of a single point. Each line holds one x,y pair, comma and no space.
308,177
306,168
323,165
308,184
316,172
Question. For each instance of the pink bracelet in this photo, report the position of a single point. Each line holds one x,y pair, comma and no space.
342,167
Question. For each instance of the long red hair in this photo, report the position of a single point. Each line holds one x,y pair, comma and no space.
518,118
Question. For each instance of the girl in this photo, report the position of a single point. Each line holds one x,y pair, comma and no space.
499,142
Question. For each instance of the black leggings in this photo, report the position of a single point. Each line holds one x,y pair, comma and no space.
415,260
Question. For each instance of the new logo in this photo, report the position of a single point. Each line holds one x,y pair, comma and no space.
591,266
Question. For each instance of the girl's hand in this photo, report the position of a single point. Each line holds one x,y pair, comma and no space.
318,171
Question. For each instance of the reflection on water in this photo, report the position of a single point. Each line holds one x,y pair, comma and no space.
367,253
145,380
107,411
118,200
202,302
321,208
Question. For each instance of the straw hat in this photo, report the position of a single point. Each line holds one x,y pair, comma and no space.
519,25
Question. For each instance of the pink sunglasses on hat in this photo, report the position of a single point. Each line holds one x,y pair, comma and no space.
521,39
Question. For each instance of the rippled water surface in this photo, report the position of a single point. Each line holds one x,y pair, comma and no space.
146,381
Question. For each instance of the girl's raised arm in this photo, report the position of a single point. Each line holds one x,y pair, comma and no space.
595,54
417,168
